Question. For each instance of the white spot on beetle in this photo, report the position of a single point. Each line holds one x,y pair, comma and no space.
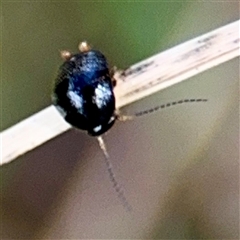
76,100
97,129
102,95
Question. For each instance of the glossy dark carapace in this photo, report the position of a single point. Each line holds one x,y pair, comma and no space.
83,94
83,91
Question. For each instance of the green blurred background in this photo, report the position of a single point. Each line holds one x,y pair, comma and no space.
179,167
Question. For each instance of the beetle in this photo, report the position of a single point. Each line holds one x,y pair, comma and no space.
83,91
83,94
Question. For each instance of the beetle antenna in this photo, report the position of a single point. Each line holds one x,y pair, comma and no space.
116,186
160,107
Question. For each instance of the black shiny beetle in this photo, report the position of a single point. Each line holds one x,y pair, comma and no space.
83,94
83,91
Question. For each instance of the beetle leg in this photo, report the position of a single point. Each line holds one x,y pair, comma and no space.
65,55
121,117
84,46
124,118
112,71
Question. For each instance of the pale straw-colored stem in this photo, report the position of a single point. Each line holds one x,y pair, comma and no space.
140,80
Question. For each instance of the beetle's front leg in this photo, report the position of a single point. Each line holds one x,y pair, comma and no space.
121,117
112,72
